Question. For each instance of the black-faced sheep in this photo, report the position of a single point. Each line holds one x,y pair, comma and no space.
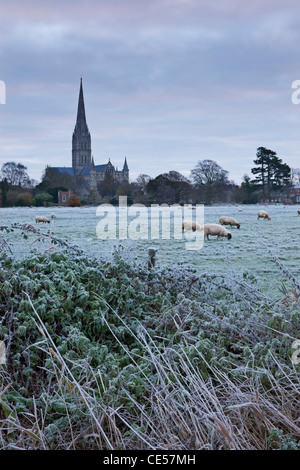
263,215
40,218
229,221
298,211
217,230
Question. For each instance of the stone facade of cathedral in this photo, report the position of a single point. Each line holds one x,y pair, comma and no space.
83,165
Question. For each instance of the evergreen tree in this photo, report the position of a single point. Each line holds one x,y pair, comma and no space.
4,186
282,175
271,173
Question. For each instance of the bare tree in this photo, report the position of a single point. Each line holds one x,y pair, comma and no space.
295,176
210,180
208,173
16,175
142,181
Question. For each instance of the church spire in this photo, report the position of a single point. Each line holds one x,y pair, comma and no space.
81,141
81,119
125,171
125,167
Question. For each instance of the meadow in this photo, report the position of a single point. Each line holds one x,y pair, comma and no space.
102,352
248,250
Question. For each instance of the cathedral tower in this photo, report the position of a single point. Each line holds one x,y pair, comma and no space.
81,140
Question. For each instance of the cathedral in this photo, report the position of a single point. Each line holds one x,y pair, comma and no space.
83,165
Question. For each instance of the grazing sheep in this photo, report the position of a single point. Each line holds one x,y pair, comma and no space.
191,225
215,229
298,211
53,216
229,221
42,219
263,215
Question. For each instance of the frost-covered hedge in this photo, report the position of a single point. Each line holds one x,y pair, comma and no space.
96,347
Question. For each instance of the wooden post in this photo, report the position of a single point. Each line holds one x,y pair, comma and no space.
151,257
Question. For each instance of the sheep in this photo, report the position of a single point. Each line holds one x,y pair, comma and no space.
263,215
215,229
298,211
229,221
42,219
191,225
53,216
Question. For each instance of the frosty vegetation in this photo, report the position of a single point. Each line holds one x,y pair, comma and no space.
111,354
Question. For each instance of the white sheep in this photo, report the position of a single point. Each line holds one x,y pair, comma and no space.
298,211
40,218
53,216
215,229
191,225
229,221
263,215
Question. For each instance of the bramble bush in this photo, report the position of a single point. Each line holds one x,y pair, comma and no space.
136,347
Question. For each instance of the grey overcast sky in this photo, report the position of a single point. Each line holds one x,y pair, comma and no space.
166,82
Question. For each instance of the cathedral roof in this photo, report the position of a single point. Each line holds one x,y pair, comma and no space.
100,167
86,170
66,170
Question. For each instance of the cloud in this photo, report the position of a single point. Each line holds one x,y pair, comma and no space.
166,82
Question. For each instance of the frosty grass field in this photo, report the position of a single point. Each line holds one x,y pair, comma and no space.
246,251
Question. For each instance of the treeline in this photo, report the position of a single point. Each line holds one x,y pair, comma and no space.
208,183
